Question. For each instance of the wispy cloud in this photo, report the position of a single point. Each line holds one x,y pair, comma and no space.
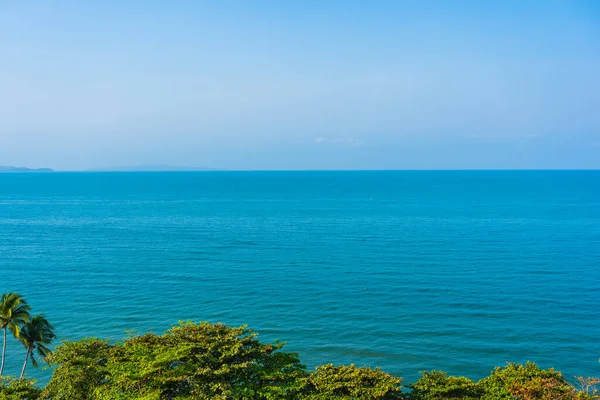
350,142
320,140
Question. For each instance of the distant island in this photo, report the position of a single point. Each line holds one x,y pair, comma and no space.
24,169
147,168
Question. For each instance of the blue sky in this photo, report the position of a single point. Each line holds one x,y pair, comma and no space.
300,84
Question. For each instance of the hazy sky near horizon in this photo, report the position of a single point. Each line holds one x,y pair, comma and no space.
338,84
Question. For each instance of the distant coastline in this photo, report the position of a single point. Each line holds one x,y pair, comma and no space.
147,168
23,169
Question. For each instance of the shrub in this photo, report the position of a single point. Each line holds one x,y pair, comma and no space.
350,382
190,361
18,389
526,382
436,385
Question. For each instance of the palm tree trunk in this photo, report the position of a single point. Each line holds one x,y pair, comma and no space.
25,363
3,353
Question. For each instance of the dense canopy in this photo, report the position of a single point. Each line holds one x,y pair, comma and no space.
215,361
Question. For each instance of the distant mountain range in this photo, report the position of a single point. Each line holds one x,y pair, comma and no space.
23,169
147,168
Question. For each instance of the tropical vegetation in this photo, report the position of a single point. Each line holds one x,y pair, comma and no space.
14,313
35,335
215,361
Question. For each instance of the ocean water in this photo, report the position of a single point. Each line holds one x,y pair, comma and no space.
408,271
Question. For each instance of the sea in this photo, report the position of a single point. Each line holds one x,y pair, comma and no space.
404,270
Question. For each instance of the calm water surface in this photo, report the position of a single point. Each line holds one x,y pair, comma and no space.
409,271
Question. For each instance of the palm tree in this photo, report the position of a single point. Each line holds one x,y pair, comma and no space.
36,335
14,312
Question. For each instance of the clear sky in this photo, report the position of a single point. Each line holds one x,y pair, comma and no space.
311,84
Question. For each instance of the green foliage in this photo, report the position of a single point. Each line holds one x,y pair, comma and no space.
214,361
36,335
438,385
80,369
526,382
190,361
18,389
203,361
14,312
513,382
349,382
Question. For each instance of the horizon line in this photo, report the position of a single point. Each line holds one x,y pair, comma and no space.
299,170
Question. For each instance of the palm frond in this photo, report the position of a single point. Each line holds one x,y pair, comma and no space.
21,312
36,335
33,360
14,311
43,351
15,329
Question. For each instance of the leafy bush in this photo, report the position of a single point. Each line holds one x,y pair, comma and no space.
214,361
18,389
513,382
526,382
349,382
81,367
436,385
204,361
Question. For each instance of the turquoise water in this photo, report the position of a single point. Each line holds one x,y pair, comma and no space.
409,271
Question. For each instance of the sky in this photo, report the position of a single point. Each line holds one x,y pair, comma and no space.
312,84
